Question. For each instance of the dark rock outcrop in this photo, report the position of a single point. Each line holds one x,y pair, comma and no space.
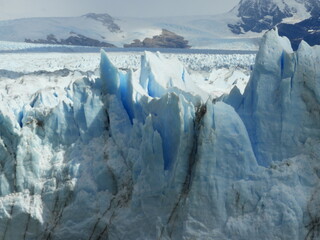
307,30
313,6
166,39
74,39
106,20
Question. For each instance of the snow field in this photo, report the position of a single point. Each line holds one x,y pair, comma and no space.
215,74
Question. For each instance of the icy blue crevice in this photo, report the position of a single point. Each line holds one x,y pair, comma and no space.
117,83
282,63
294,73
152,86
20,117
34,100
183,75
193,158
292,77
166,120
126,92
109,75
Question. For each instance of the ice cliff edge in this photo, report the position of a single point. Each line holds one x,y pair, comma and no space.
148,155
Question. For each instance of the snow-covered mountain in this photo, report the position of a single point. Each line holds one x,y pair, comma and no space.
90,27
296,19
148,154
241,28
98,29
257,15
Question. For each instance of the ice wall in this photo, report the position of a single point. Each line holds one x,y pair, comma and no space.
283,97
148,155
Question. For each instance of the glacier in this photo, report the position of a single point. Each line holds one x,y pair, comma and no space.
148,154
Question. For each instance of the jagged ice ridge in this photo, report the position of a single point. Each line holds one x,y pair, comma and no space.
149,155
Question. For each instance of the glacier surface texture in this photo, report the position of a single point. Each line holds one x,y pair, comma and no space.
147,154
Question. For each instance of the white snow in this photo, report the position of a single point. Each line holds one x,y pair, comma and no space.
211,72
205,32
202,32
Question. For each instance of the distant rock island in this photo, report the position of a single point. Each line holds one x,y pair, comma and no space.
166,39
74,39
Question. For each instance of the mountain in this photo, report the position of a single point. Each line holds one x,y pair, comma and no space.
239,29
102,30
88,30
147,154
74,39
257,15
313,6
296,19
307,30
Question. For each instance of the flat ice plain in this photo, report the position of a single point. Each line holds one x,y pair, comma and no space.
215,71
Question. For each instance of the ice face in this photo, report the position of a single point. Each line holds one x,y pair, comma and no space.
146,154
279,98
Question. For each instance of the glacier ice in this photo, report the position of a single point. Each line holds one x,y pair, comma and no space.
147,154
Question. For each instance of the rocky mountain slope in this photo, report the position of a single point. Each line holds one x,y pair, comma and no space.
307,30
88,30
257,15
104,30
296,19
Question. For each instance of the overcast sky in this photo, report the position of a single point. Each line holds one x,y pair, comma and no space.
10,9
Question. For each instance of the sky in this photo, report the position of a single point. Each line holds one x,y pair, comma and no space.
11,9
